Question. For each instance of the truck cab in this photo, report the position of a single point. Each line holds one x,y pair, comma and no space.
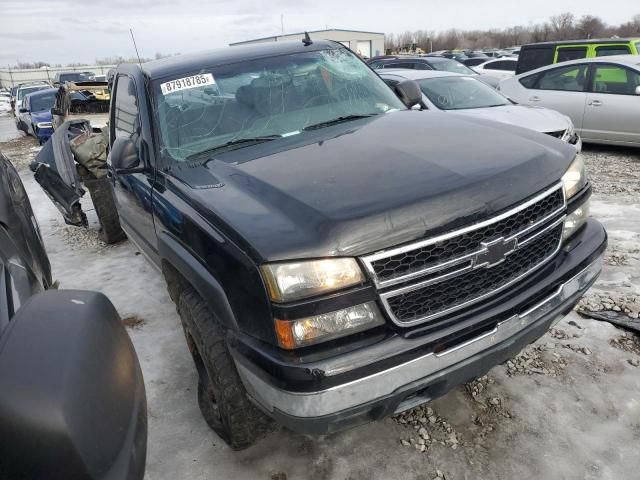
334,255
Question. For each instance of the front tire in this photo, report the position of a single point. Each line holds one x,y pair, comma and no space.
222,397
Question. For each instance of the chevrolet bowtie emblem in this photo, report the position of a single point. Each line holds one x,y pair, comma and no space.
495,252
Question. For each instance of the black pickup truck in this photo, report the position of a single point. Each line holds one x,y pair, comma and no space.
335,255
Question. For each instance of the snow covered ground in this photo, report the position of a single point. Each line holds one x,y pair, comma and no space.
568,407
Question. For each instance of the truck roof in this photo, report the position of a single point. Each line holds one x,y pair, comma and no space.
584,42
223,56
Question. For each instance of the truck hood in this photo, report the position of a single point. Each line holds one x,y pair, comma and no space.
369,184
536,118
41,116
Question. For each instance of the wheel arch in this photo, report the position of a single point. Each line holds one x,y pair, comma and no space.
180,267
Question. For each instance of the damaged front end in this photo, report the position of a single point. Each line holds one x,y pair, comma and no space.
75,157
55,170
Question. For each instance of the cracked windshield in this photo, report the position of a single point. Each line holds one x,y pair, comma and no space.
246,103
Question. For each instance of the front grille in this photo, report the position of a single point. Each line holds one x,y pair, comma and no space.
422,258
458,291
437,276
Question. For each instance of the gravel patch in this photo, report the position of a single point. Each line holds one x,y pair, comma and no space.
21,151
627,342
613,171
429,429
133,322
81,238
617,302
542,359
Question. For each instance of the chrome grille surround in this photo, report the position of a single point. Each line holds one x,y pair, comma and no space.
469,260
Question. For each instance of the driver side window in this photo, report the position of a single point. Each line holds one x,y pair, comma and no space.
125,115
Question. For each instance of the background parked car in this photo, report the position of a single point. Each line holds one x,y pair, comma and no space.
34,115
601,95
63,77
429,62
455,55
500,68
26,89
495,53
465,95
536,55
476,54
472,62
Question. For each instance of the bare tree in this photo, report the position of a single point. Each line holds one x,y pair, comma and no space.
562,25
590,27
559,27
630,29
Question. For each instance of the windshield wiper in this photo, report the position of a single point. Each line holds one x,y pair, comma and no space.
239,142
334,121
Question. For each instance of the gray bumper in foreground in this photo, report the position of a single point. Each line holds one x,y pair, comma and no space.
421,379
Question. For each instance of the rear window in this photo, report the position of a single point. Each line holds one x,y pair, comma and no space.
73,77
571,53
638,48
448,65
506,65
607,50
410,65
532,58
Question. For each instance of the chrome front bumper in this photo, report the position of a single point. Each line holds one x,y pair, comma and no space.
365,390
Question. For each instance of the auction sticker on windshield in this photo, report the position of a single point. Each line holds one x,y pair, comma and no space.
186,83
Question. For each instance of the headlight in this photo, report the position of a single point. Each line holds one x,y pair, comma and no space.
569,132
320,328
295,280
43,125
575,178
575,220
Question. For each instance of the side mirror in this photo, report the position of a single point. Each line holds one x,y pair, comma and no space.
124,156
409,92
57,111
73,402
638,90
23,110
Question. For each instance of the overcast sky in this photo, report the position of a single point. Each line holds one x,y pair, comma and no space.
61,31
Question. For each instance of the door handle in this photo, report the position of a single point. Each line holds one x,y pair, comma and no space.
595,103
534,99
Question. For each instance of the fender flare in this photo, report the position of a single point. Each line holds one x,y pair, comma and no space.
207,286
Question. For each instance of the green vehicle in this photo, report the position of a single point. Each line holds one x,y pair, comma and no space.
536,55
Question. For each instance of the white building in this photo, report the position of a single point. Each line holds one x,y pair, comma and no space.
367,44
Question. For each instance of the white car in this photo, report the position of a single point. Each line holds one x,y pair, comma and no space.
465,95
601,95
503,67
25,90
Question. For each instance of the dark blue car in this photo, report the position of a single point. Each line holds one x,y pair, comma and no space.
35,114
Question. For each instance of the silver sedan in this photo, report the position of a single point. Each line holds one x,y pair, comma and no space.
601,95
465,95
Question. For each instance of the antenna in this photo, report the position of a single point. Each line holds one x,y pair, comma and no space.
307,39
136,47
